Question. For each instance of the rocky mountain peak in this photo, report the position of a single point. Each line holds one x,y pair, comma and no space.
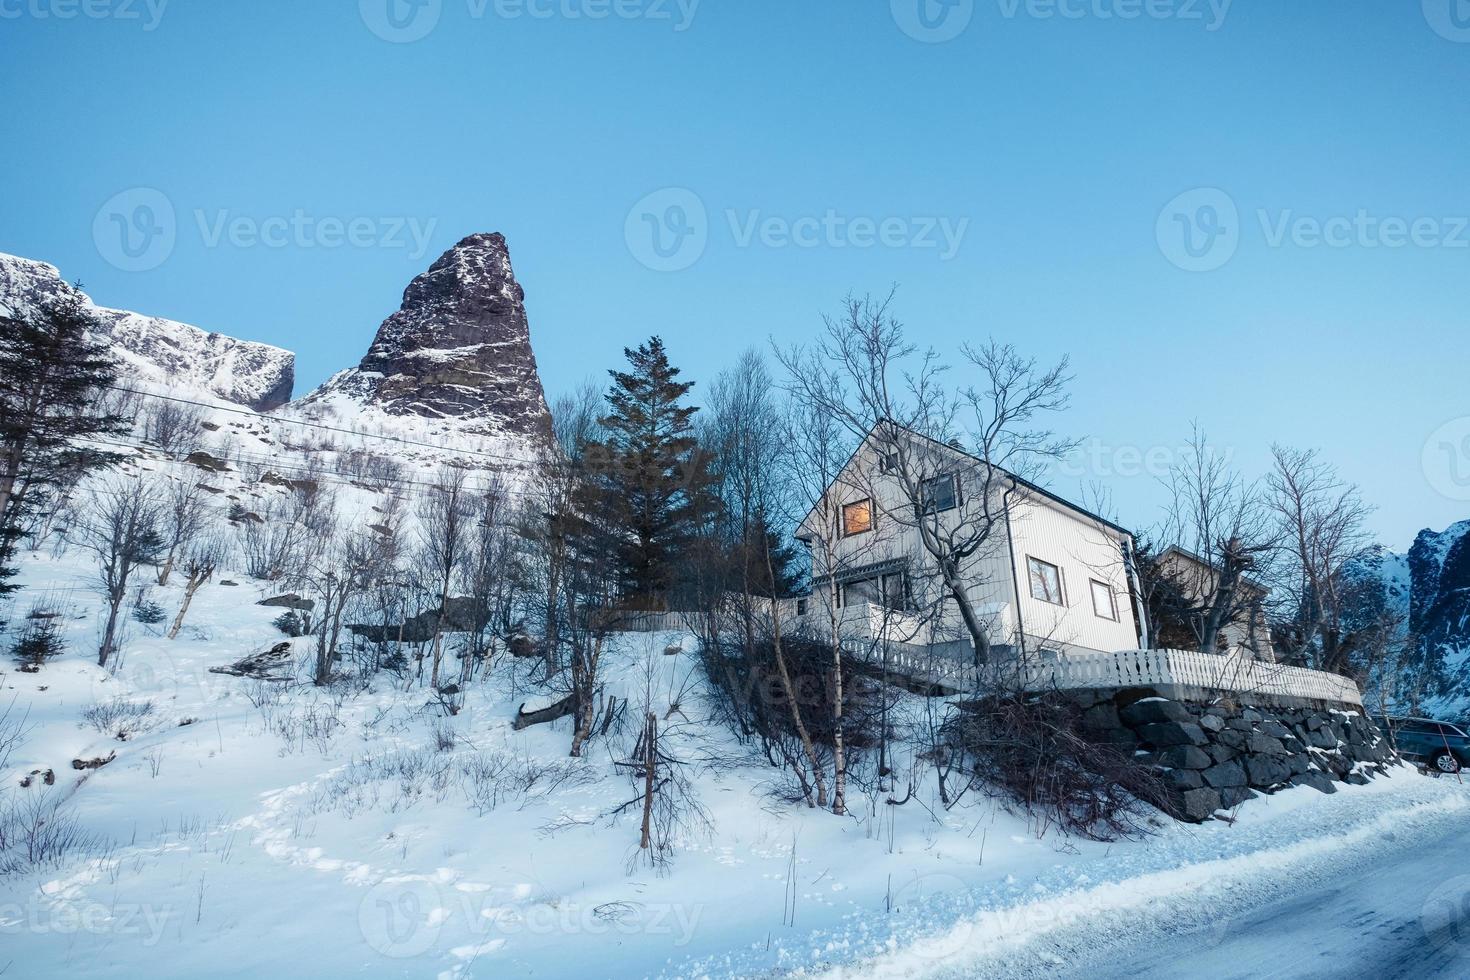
458,348
159,351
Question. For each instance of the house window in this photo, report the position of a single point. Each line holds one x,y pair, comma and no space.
890,591
1104,603
801,607
857,517
939,494
888,463
1046,581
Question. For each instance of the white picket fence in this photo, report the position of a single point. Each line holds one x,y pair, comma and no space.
1228,673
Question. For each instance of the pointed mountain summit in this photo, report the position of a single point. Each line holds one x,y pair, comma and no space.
457,350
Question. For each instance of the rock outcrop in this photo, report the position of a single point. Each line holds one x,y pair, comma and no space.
163,352
458,349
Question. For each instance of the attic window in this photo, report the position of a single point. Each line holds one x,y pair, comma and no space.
857,517
939,493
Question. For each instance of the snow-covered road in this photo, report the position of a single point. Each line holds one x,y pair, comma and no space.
1406,914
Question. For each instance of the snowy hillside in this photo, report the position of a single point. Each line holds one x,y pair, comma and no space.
244,828
176,356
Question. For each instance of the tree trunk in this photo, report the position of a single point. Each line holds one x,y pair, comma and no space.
109,633
650,765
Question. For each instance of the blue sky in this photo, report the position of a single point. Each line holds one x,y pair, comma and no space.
1314,151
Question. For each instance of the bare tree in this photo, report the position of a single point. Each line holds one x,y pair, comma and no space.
200,563
183,516
336,575
1321,523
890,396
446,518
171,425
1221,520
487,575
119,525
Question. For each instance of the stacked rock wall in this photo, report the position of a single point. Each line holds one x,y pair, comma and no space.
1216,754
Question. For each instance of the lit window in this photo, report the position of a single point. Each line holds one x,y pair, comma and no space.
1104,603
1046,581
939,494
857,517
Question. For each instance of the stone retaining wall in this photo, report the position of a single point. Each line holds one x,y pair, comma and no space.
1216,754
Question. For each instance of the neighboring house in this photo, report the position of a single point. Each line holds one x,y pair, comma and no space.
1050,577
1196,580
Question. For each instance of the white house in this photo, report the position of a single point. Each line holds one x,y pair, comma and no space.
1044,573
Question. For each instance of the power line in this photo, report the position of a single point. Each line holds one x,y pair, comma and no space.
519,461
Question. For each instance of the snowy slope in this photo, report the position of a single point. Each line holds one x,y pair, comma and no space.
253,829
166,353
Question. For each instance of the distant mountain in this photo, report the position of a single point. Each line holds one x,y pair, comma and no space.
1430,587
456,354
164,352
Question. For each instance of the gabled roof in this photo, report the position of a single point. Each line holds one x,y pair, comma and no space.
1188,555
967,455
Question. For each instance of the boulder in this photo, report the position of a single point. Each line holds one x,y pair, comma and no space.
1183,779
1212,723
1225,774
289,600
1151,711
1196,805
1184,757
1262,772
1319,781
1234,796
1172,733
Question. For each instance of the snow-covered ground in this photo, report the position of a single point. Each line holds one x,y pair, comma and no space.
250,829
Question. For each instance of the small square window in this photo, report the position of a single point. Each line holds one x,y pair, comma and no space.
938,493
857,517
1104,603
1046,581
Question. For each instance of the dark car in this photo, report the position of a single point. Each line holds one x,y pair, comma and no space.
1440,746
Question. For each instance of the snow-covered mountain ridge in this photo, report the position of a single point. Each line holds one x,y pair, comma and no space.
164,352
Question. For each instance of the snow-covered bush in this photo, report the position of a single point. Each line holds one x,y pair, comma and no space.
119,717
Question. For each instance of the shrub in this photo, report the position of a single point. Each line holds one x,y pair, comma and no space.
1032,751
39,640
148,612
119,717
290,623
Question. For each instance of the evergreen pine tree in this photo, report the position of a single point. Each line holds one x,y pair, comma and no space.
652,486
52,373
